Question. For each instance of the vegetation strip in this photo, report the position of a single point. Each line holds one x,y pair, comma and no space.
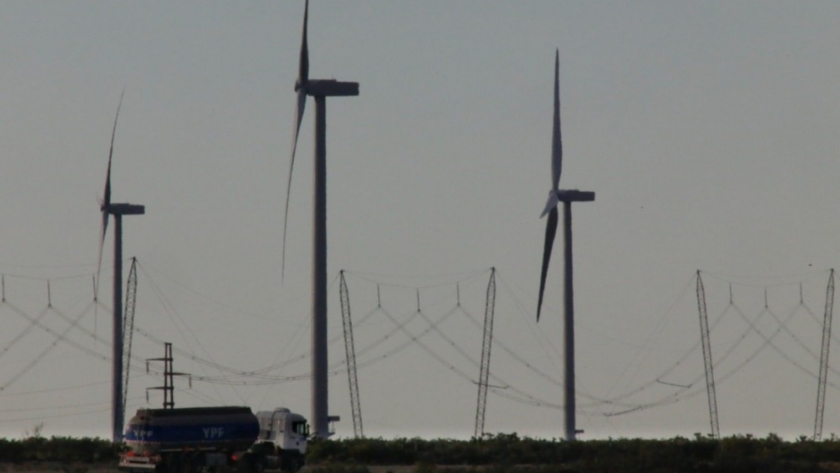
497,453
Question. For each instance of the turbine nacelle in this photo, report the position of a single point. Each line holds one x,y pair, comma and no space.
126,209
570,195
330,88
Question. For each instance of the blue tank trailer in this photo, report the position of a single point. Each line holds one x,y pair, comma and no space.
193,439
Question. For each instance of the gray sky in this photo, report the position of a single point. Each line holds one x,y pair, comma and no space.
708,131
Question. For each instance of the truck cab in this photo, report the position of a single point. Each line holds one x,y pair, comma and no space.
283,428
282,439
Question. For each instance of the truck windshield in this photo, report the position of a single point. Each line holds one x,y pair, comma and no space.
300,427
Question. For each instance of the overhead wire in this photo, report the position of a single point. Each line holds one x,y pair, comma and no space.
269,375
644,352
32,324
40,356
229,376
687,393
378,278
195,292
173,315
51,390
414,339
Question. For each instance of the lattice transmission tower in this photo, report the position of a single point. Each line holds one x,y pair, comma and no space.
350,351
826,343
707,356
128,326
487,343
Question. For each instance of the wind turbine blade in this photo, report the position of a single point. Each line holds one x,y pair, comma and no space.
550,233
303,66
106,198
101,247
301,104
551,203
300,87
556,140
105,218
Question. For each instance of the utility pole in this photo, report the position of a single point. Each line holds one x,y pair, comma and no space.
169,374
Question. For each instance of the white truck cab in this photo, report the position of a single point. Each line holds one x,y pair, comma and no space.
282,439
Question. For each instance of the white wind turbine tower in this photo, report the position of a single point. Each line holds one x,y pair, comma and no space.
117,210
555,196
320,89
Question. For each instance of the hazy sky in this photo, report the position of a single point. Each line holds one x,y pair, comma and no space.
708,130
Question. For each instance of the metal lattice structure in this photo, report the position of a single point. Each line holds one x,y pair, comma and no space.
707,356
350,351
168,387
484,372
826,344
169,374
128,326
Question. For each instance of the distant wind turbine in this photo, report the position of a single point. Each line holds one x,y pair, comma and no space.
555,196
117,210
556,170
320,89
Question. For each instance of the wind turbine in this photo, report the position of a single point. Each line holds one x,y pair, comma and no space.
555,196
117,210
320,89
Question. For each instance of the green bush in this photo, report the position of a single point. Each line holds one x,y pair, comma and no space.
503,453
511,453
59,449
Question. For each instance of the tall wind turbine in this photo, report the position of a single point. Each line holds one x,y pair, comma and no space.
117,210
320,89
555,196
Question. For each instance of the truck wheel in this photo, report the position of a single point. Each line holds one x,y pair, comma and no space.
292,464
257,464
194,463
251,464
295,465
173,463
243,465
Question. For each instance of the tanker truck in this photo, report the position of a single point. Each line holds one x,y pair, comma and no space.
230,438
